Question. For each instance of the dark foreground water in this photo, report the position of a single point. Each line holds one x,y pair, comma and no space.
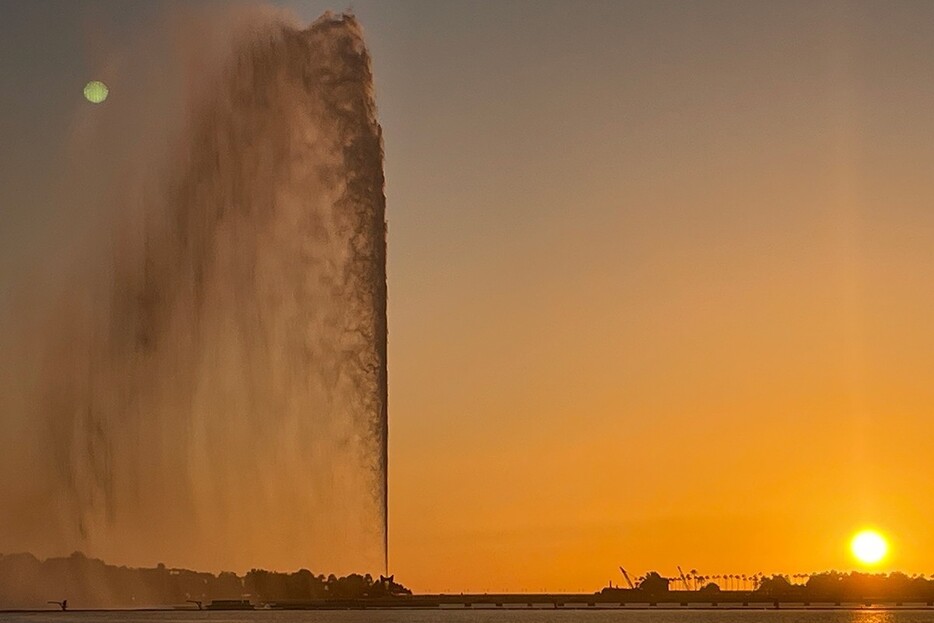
482,616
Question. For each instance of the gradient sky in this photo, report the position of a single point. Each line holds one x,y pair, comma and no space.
660,274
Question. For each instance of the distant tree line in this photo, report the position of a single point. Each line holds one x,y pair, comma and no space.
829,586
27,582
834,586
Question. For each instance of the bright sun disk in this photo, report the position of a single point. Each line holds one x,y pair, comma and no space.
869,547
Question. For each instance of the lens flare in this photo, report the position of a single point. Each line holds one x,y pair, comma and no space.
95,91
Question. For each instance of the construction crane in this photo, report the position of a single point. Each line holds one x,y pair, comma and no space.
684,579
626,576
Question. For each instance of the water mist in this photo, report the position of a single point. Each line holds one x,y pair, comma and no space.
213,393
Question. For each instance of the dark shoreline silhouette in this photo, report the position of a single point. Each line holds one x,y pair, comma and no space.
88,583
830,587
28,583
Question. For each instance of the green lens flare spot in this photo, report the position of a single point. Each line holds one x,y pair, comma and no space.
95,92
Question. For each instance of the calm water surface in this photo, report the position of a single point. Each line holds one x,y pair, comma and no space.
480,616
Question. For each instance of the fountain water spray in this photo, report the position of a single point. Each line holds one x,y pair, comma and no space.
215,394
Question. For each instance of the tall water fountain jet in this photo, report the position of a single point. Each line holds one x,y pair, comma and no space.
214,395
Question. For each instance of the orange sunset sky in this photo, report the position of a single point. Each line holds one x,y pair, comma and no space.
659,278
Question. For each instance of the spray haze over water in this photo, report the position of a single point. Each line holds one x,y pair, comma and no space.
209,388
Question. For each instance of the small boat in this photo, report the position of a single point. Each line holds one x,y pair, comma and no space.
230,604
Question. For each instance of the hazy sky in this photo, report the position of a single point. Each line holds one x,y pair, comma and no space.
660,274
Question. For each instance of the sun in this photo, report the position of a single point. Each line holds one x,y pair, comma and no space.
869,547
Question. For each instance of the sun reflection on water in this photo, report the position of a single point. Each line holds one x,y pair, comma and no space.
872,616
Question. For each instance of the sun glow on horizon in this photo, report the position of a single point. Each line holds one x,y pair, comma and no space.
869,547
